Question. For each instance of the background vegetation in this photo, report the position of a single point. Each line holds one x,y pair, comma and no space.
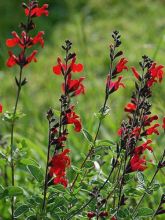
88,24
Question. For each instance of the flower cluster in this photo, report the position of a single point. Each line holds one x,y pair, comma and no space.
112,86
70,87
26,41
139,123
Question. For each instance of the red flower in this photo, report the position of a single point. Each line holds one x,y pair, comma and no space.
163,125
91,215
37,12
72,118
149,120
143,147
74,86
138,163
60,180
61,68
135,72
120,131
136,131
21,60
152,130
114,86
130,107
113,218
157,72
121,65
103,214
25,41
58,166
1,108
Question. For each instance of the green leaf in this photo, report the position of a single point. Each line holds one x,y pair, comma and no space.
20,210
140,177
104,143
31,217
14,191
89,164
58,202
57,188
36,172
87,135
28,161
123,213
144,212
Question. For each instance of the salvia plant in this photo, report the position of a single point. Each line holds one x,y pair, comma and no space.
110,181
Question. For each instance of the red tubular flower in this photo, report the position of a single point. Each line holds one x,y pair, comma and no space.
137,163
37,12
32,57
136,74
21,60
120,131
72,118
130,107
143,147
39,39
14,41
60,180
121,65
74,86
114,86
152,130
1,108
163,125
25,41
157,72
58,165
136,131
60,67
149,120
12,60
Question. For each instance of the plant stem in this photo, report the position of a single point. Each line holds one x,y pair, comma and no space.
101,187
12,138
46,172
93,144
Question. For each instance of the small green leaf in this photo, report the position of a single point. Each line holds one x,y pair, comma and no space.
14,191
104,143
87,135
123,213
89,164
140,177
28,161
36,172
144,212
31,217
20,210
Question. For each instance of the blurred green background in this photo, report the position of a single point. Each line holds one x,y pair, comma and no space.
88,24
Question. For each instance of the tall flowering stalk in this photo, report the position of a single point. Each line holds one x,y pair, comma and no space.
140,119
112,86
24,42
59,162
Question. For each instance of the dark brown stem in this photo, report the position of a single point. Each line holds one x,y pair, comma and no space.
46,172
12,139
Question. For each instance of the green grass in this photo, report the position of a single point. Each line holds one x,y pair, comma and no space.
88,24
